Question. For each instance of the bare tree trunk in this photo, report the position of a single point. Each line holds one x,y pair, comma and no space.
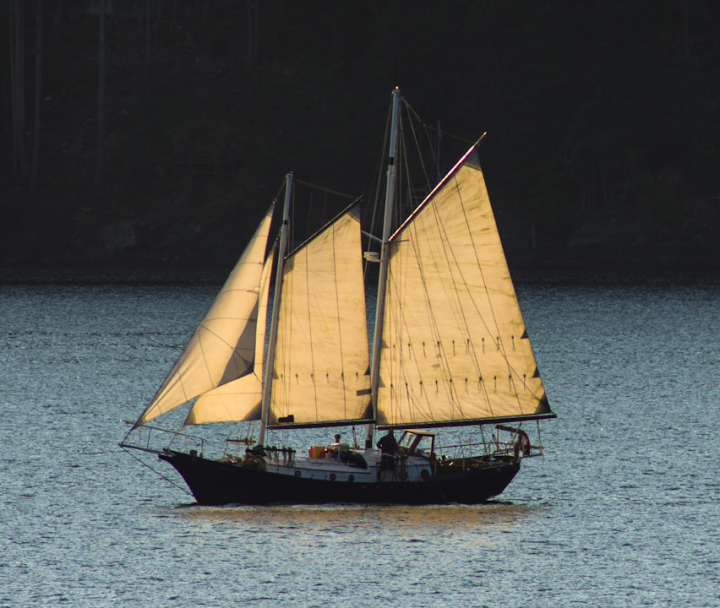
99,168
148,26
252,56
13,83
58,13
17,84
38,93
686,29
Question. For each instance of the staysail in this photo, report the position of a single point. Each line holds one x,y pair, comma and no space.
223,346
240,399
320,372
454,345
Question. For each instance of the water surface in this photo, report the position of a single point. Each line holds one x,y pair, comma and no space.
622,511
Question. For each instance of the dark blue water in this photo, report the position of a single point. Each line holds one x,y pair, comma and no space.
624,509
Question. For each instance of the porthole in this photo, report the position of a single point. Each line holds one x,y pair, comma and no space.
298,474
332,476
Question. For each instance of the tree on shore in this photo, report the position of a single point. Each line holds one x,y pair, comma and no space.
99,167
38,93
17,86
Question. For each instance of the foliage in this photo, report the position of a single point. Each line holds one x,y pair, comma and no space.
595,111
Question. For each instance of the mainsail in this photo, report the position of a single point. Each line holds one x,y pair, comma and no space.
223,347
454,345
320,372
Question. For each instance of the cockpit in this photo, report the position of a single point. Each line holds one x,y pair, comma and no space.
417,443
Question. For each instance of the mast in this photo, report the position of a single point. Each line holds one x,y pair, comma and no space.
284,237
380,310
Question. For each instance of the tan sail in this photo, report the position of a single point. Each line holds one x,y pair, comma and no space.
454,346
240,399
223,345
321,361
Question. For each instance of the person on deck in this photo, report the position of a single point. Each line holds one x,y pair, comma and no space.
334,450
388,446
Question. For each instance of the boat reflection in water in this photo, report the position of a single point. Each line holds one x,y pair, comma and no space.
400,519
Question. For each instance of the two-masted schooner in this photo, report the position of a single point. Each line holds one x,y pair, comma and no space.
450,349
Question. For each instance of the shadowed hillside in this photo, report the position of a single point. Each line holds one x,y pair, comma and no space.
602,147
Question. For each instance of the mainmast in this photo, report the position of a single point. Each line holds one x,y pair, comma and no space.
380,309
284,237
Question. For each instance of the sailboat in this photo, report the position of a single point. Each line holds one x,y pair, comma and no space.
285,345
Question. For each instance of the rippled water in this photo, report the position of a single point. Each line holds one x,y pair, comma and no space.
623,510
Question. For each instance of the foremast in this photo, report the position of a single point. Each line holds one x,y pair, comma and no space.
283,245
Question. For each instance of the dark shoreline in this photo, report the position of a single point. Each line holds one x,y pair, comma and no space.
187,269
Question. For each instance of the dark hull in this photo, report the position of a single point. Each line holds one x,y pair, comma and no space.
219,483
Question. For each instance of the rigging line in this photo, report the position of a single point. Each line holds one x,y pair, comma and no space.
202,348
234,349
145,464
450,295
540,439
447,368
225,407
445,374
400,160
489,300
379,181
434,154
285,331
444,239
410,187
261,329
501,345
311,341
327,190
310,334
434,329
479,267
176,375
339,325
285,320
398,322
339,330
456,265
419,153
436,130
403,176
204,360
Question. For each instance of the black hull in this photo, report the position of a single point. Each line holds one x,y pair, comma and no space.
220,483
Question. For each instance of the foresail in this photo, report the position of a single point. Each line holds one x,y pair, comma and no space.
454,347
223,345
235,401
320,373
240,399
